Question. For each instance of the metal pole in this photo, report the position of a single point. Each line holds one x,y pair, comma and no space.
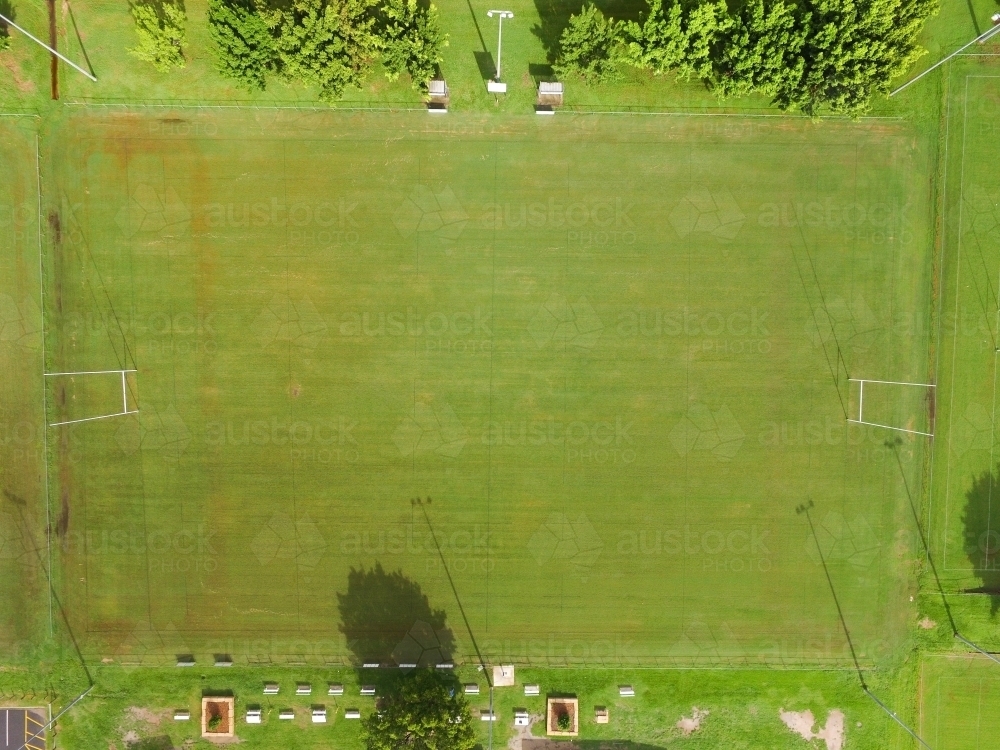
981,38
499,45
54,52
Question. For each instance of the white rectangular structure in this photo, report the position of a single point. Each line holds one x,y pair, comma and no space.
496,87
286,714
368,690
271,688
626,691
253,716
471,688
488,716
182,716
303,688
335,689
437,87
521,719
352,713
319,716
532,690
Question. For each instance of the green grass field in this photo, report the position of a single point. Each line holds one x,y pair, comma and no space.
613,351
962,510
959,702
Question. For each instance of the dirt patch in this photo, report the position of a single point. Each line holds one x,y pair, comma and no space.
23,84
153,718
217,717
927,624
802,722
691,724
563,718
516,742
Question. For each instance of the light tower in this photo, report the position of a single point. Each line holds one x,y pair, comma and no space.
495,86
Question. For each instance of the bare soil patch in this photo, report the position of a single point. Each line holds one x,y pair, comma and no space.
802,722
691,724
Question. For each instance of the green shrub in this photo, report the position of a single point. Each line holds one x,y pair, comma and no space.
161,29
244,43
591,46
411,40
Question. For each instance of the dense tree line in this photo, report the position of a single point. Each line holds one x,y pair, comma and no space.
812,55
332,44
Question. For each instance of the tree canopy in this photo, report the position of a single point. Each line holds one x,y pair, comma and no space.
423,710
161,28
330,44
813,56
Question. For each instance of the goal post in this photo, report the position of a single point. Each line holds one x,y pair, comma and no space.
903,392
119,377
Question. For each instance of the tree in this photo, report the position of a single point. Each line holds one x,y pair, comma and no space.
591,46
326,43
411,40
245,49
423,711
853,50
8,11
160,25
762,51
675,38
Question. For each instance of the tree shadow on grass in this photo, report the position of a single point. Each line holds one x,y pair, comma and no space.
982,534
387,619
554,16
6,9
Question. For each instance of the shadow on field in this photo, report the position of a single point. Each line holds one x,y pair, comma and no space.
982,534
554,15
386,618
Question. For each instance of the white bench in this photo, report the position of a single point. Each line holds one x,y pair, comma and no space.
521,719
319,716
303,688
371,665
496,87
335,689
626,691
550,93
488,716
352,713
437,87
368,690
185,661
600,714
286,714
532,690
445,665
253,716
223,661
271,688
471,688
182,716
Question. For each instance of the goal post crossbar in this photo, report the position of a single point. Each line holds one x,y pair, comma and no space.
125,410
861,404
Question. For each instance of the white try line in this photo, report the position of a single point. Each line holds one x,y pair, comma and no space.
92,419
888,427
90,372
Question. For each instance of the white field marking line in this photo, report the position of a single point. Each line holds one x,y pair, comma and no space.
246,106
891,382
45,403
92,419
887,427
940,306
954,343
89,372
124,397
861,401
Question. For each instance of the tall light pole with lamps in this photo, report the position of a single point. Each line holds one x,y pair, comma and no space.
495,86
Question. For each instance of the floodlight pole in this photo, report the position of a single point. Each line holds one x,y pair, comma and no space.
980,39
35,39
503,14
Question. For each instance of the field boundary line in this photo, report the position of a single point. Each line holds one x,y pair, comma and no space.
940,311
45,405
142,105
954,345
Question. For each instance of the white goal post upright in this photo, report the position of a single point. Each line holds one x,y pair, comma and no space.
861,404
125,410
